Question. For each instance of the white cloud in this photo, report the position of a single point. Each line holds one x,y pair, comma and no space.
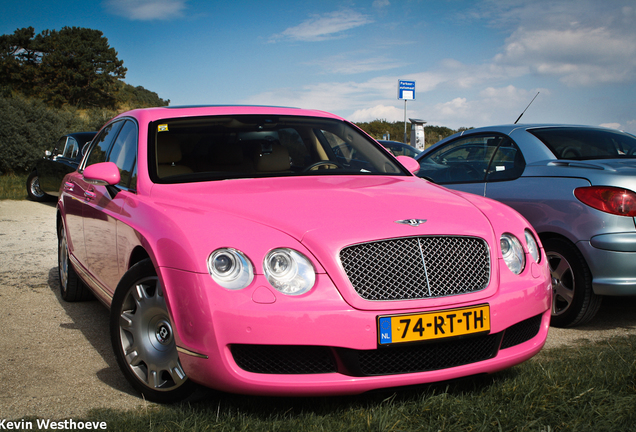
381,112
457,107
611,125
490,106
578,56
146,10
323,27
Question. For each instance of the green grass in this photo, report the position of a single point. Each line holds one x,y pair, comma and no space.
589,388
13,187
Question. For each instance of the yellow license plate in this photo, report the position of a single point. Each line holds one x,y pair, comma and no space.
433,325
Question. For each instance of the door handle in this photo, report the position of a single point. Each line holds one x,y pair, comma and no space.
89,195
68,186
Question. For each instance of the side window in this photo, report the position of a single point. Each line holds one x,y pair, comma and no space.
60,146
101,144
124,152
507,163
464,160
71,149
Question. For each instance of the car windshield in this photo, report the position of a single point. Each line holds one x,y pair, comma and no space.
247,146
581,144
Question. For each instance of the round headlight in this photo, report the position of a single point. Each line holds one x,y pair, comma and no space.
533,247
512,253
289,271
230,268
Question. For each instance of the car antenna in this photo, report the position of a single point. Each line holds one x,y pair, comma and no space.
519,118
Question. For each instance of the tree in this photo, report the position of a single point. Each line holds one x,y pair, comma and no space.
74,66
18,61
138,97
79,67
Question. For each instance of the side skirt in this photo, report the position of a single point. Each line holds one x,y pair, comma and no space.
97,288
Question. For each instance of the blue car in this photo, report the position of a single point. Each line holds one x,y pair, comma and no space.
575,184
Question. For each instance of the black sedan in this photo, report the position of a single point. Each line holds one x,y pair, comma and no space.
46,177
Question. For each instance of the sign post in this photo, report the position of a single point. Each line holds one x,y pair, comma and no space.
406,91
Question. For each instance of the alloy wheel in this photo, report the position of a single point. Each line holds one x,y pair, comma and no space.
147,337
563,283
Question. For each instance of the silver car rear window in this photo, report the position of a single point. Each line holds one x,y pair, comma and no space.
587,143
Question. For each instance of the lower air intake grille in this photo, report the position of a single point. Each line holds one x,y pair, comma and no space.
417,267
521,332
426,357
282,359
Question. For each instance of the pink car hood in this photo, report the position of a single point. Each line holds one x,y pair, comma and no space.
327,213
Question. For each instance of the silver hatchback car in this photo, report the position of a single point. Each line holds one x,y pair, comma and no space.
574,184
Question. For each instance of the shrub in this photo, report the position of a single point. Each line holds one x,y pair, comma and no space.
28,129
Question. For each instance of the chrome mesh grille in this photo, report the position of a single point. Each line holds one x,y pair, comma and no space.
417,267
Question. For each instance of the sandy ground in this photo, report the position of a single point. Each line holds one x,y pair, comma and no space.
55,357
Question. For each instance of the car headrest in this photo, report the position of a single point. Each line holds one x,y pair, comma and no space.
276,160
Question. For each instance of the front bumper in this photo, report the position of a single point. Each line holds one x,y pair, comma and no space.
256,341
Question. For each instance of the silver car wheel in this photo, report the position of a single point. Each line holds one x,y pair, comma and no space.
563,283
34,191
35,188
147,338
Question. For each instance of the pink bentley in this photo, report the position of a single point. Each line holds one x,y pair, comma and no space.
280,251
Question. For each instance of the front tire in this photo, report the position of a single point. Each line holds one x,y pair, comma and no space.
34,191
573,299
143,338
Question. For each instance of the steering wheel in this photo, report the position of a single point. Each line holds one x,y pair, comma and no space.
315,165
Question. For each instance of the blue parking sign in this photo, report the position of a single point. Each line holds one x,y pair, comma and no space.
406,90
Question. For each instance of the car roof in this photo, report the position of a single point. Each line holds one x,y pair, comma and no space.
508,128
151,114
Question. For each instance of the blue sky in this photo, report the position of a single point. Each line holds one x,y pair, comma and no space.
475,63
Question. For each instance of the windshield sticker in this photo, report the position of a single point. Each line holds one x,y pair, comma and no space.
162,128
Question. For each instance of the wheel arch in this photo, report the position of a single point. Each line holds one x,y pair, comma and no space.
138,254
549,235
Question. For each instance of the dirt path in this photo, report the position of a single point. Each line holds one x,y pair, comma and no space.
55,357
